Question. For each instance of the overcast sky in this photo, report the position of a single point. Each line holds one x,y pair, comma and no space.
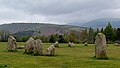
57,11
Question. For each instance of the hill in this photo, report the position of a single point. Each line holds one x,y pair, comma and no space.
98,23
103,22
38,28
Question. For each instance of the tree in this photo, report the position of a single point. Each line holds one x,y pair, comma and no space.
61,39
109,32
84,36
114,32
53,38
91,35
43,38
25,38
102,30
4,35
118,34
96,32
72,36
66,38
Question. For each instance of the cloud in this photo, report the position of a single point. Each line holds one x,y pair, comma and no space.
57,11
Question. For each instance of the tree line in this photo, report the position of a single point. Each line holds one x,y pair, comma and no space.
88,35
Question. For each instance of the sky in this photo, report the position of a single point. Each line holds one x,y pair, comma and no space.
57,11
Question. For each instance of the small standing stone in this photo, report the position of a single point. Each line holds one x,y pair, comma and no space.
29,45
116,44
56,44
100,46
38,47
85,44
71,44
12,46
50,51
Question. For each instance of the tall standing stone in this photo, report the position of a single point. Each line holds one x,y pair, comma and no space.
12,46
100,46
38,47
29,45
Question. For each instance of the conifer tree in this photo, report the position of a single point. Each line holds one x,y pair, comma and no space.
109,32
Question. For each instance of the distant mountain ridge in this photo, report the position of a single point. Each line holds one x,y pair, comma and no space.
24,29
101,22
98,23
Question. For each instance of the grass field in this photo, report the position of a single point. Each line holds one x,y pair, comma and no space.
77,57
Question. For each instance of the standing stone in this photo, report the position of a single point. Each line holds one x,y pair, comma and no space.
50,51
85,44
71,44
12,46
29,45
100,46
38,47
116,44
56,44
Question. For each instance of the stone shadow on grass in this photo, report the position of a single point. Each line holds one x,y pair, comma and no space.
9,51
110,58
100,58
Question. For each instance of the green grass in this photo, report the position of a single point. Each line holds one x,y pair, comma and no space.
77,57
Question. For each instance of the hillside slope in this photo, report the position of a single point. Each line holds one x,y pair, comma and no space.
38,28
98,23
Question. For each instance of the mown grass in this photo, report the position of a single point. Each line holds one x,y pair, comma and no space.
66,57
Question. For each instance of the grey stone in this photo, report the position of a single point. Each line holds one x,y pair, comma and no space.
12,45
85,44
56,44
38,47
29,45
71,44
50,51
100,46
